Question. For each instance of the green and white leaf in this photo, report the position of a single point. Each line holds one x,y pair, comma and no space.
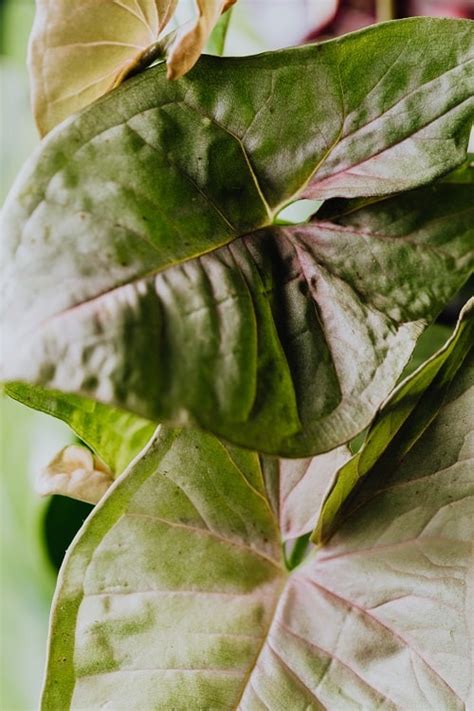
175,596
286,340
127,277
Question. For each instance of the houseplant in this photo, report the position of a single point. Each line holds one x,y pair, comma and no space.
151,282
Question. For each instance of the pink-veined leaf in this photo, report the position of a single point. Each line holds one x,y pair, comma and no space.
175,594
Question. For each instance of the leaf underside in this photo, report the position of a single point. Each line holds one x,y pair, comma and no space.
79,51
176,591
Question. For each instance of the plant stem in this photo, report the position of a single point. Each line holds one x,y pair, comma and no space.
155,51
385,10
300,548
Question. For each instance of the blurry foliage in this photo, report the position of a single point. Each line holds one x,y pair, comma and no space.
27,576
34,532
17,127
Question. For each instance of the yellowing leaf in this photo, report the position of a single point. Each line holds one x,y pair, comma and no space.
80,50
76,473
189,42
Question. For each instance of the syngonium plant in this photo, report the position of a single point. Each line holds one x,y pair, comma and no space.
219,361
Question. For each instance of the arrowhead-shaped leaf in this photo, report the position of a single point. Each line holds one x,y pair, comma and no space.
285,341
158,172
79,51
280,341
175,596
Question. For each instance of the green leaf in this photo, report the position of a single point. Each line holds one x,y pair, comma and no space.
422,393
430,341
114,435
216,42
158,173
209,514
464,173
156,155
285,341
175,596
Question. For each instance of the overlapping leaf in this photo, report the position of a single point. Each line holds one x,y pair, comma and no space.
176,591
79,51
189,42
297,488
76,473
285,341
422,392
114,435
280,341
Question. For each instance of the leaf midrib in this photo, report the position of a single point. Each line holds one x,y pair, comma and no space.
228,239
324,225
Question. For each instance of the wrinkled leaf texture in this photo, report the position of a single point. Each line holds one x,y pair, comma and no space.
175,590
142,208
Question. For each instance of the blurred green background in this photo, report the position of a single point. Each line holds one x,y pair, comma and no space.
26,575
35,532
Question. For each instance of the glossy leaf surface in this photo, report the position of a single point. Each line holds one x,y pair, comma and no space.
285,341
256,340
175,591
157,172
